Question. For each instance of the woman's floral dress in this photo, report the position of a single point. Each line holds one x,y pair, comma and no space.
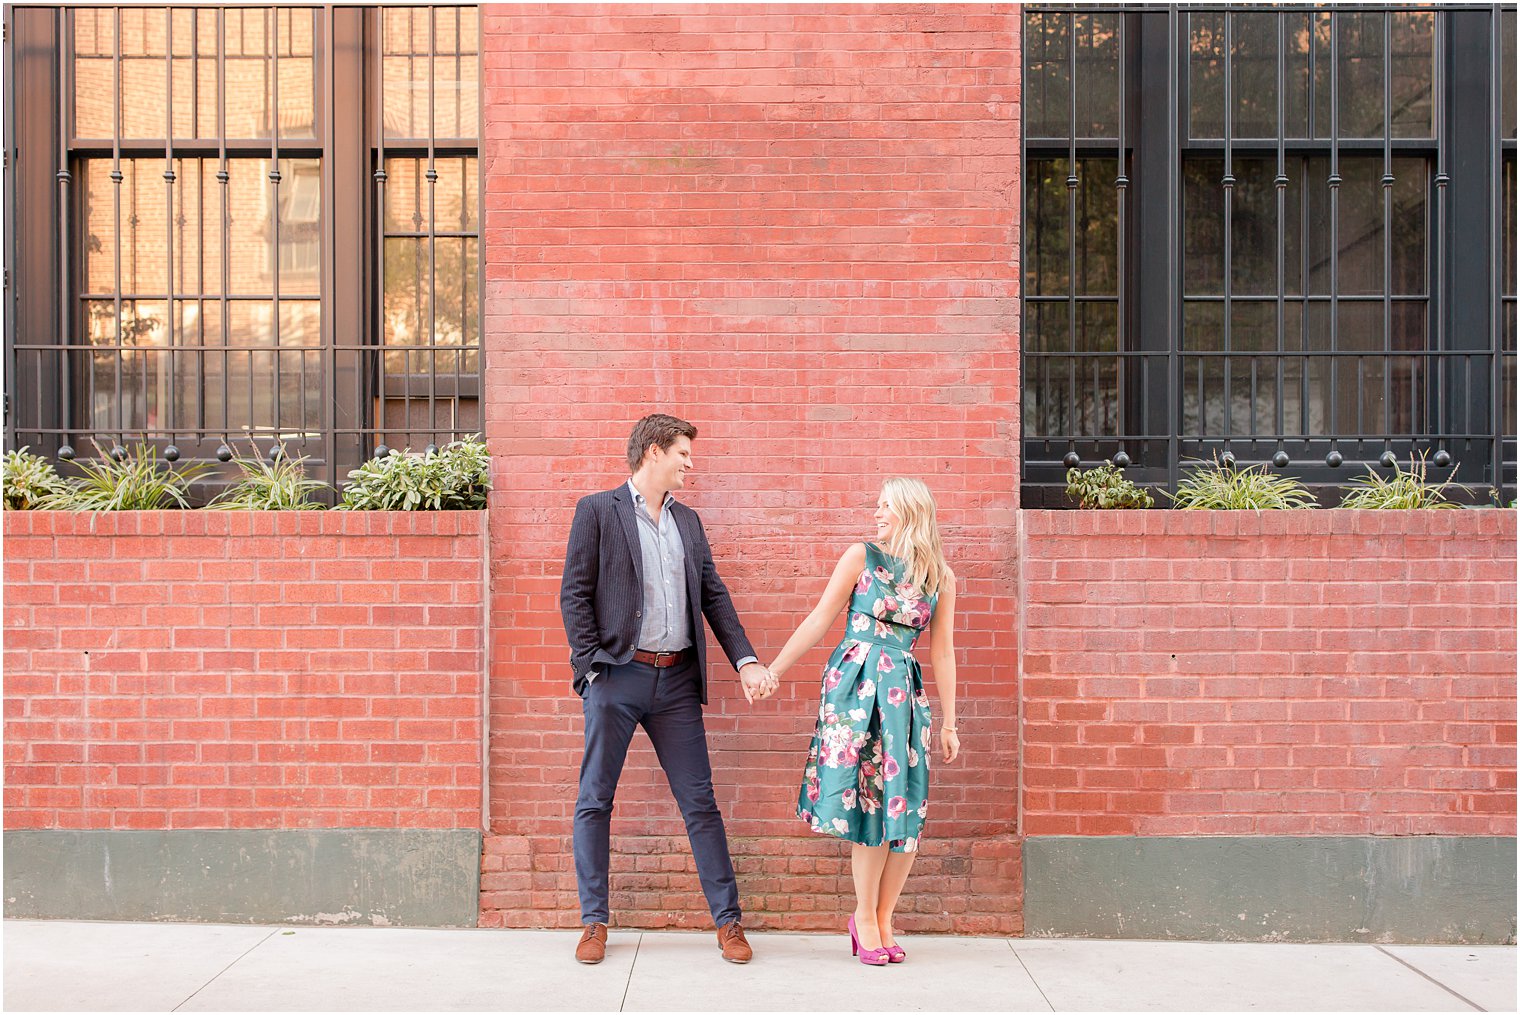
867,775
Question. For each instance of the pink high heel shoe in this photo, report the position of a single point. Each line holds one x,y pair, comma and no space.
895,954
868,956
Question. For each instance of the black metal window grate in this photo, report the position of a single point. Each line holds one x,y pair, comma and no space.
1274,234
190,190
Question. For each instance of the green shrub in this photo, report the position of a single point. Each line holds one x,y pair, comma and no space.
1219,486
29,481
281,485
136,483
455,477
1400,492
1105,487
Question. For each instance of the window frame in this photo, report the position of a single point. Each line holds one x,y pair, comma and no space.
1154,104
44,313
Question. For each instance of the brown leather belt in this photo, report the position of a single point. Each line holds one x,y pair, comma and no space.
661,659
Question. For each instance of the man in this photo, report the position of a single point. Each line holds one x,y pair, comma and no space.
639,579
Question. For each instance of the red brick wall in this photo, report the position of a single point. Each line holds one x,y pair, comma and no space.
1304,673
203,669
797,227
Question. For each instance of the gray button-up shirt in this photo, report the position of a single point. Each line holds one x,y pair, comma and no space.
666,623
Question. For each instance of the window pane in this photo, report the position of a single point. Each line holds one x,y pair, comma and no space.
1413,64
1203,325
404,68
144,238
1360,226
450,319
1049,250
253,36
246,66
1507,72
1206,61
252,227
129,371
197,228
1255,238
1047,73
1361,83
1253,88
1410,225
1097,74
1203,227
99,255
1361,326
300,222
408,201
94,82
1049,327
457,102
207,97
1507,227
297,84
143,99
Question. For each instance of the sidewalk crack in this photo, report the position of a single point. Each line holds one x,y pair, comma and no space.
218,974
1432,979
635,962
1030,975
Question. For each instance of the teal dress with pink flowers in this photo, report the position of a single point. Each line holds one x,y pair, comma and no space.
867,775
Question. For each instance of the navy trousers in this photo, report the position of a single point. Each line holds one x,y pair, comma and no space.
667,702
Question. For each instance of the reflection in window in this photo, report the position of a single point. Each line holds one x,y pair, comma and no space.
249,41
430,67
1253,43
143,354
428,195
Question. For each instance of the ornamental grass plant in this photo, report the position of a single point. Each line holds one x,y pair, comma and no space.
137,481
1220,486
278,485
1403,491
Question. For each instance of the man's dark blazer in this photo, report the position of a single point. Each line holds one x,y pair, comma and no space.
601,598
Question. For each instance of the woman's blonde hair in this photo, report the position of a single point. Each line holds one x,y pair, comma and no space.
917,538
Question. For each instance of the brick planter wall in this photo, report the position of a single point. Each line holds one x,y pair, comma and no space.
1303,673
221,670
796,227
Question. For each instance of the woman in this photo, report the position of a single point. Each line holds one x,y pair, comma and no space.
867,774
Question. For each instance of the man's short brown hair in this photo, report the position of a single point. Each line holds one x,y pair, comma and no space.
657,429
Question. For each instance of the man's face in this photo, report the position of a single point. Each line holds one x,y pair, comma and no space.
669,466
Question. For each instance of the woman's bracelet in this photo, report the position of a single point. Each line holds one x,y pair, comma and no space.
947,729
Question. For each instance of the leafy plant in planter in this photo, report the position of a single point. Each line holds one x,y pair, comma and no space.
1105,487
137,482
29,481
1401,491
455,477
280,485
1220,486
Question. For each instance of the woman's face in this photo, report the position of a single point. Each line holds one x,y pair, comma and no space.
887,522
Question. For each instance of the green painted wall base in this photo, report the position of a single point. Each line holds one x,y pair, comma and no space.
383,877
1433,889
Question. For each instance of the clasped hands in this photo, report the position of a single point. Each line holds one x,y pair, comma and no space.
758,682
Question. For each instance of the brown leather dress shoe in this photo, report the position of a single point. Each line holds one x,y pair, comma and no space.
593,944
735,948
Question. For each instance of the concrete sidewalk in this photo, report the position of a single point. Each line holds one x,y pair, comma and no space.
73,966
